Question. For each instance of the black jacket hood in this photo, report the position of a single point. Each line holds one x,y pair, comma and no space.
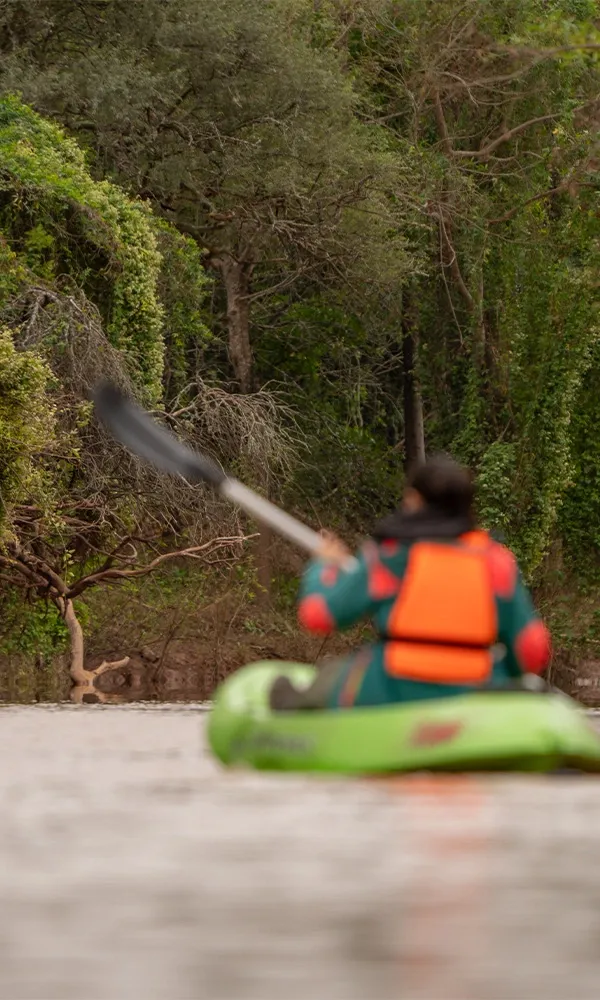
429,524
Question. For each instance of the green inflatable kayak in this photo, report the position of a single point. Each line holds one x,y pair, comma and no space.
512,730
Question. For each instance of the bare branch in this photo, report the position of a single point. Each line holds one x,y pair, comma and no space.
441,124
566,185
510,214
454,265
113,574
505,137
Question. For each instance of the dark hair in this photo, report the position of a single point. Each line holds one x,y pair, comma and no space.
445,485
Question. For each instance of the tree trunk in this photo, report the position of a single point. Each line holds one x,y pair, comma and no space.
414,434
76,645
236,276
83,680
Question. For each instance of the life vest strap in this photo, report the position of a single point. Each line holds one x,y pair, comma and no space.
442,643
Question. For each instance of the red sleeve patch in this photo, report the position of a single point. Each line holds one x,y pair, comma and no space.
503,571
314,614
533,647
389,547
382,583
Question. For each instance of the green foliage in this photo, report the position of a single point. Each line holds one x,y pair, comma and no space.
27,420
41,632
39,246
331,362
495,486
580,516
44,177
549,328
135,325
12,272
183,287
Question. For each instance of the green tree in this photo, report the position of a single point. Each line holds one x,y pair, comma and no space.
233,125
499,102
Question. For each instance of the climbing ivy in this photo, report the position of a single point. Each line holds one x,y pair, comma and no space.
548,331
27,418
84,270
183,287
79,224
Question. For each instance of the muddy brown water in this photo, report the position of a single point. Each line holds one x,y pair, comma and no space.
132,867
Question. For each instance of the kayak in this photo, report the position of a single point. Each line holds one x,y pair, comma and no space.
492,730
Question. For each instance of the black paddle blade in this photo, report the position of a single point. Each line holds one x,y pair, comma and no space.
142,436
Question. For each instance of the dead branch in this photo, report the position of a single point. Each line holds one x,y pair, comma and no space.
529,58
565,186
440,119
505,137
115,574
108,665
453,264
510,214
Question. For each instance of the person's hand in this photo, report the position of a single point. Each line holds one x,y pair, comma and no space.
333,550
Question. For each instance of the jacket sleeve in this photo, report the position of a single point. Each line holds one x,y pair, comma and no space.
332,598
526,638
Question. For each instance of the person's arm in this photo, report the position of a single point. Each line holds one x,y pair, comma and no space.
336,593
332,597
524,634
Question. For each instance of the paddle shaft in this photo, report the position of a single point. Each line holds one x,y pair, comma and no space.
266,512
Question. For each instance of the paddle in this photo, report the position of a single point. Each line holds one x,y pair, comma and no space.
144,437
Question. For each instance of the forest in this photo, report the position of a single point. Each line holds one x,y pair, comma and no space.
319,239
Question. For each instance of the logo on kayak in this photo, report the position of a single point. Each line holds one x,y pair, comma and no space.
273,742
430,734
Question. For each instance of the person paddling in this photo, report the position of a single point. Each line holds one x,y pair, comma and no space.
448,604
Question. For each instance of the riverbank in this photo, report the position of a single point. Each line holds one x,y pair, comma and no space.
173,636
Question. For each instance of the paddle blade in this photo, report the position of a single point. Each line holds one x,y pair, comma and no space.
144,437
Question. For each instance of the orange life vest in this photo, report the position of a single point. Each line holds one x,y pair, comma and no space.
444,622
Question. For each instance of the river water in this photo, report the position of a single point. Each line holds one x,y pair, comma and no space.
132,867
